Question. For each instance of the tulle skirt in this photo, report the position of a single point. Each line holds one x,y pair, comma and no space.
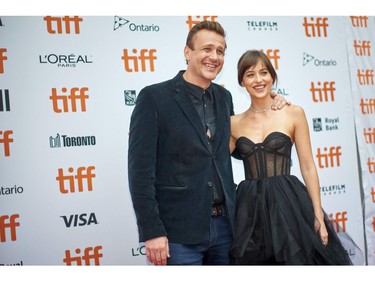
275,226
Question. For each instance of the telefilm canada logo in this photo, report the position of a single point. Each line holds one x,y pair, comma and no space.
309,59
67,141
261,25
65,60
130,97
326,124
335,189
121,22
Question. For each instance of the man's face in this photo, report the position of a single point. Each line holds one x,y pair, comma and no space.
207,59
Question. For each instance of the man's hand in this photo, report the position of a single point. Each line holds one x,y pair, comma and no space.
278,101
157,250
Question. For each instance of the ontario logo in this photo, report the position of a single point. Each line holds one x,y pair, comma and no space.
140,27
308,59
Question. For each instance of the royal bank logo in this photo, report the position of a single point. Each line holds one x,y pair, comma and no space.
68,141
65,60
317,124
326,124
120,22
130,97
262,25
309,60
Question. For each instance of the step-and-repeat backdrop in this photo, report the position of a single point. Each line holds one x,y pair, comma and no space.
68,85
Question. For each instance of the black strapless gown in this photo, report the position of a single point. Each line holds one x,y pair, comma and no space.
275,217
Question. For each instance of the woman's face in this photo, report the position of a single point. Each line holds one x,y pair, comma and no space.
257,80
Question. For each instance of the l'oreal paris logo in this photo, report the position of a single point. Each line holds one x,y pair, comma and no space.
71,60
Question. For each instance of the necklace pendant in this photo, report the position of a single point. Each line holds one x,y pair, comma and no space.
260,110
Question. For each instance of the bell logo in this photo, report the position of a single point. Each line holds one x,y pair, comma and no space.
2,59
60,102
190,22
6,140
316,27
338,221
273,55
10,223
323,93
60,25
90,254
131,63
359,21
367,106
329,157
365,76
72,179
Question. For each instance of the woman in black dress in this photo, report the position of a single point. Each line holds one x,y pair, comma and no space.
279,219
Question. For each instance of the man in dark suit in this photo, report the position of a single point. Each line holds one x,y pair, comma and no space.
179,163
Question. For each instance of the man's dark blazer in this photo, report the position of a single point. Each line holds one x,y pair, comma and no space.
170,163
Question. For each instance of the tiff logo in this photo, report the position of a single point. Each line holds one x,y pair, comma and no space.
62,22
10,223
367,106
2,59
329,157
359,21
316,27
338,221
6,140
365,77
191,22
323,93
131,63
372,194
75,94
362,48
371,165
75,180
273,55
369,135
90,254
4,100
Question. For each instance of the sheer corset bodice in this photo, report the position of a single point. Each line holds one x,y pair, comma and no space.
272,157
275,218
